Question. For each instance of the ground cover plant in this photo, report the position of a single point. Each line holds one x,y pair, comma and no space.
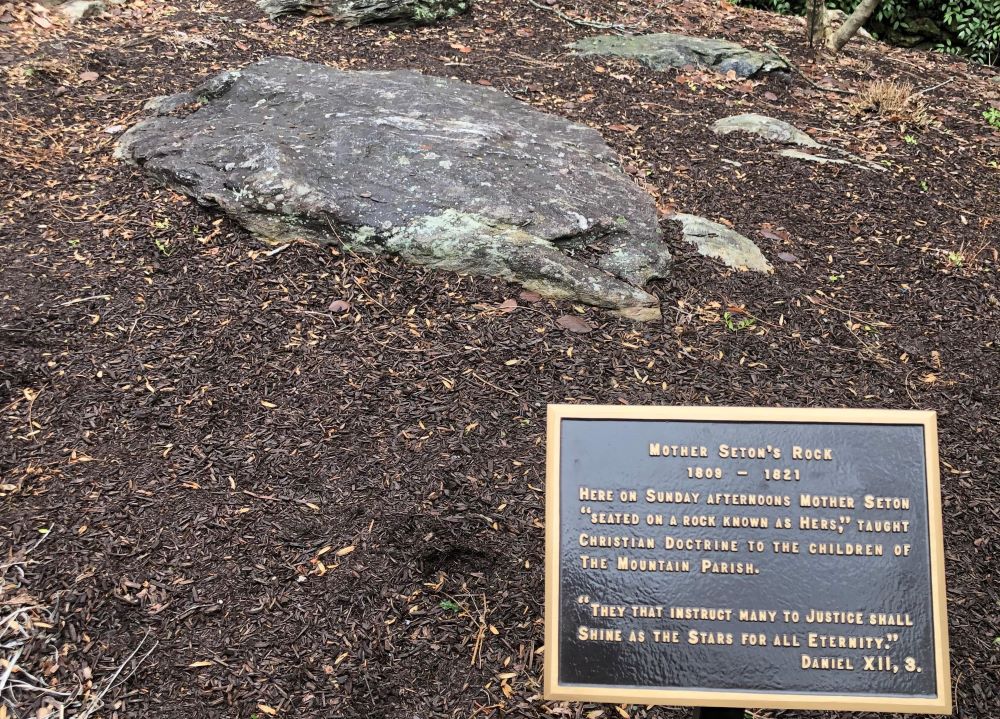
250,480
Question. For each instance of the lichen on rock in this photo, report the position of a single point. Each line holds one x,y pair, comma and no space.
439,172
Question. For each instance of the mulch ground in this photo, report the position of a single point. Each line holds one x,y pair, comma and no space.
220,498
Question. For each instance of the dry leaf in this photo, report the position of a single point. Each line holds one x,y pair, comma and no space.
344,551
269,710
574,324
194,665
269,405
339,306
88,76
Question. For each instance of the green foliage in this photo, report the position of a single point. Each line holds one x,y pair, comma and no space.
735,325
970,28
450,606
992,116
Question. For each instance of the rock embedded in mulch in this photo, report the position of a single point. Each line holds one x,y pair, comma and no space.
77,10
360,12
440,172
774,130
768,128
712,239
661,51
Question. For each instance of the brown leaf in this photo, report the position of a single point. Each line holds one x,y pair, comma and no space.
574,324
618,128
507,305
339,306
88,76
529,296
770,96
787,257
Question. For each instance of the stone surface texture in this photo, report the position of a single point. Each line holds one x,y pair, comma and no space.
779,131
439,172
769,128
661,51
77,10
712,239
360,12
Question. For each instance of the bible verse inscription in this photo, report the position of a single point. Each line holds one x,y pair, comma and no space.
759,556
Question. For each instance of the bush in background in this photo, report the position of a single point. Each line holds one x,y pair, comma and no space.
970,28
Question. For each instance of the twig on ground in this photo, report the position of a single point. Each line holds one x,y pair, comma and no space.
511,392
95,703
918,93
617,27
795,68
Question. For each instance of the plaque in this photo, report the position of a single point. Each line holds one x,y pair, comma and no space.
745,557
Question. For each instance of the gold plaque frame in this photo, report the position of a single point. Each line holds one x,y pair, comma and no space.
940,704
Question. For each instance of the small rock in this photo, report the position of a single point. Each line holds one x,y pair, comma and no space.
787,257
77,10
769,128
660,51
809,157
114,129
718,241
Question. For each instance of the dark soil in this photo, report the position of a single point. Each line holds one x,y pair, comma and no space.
313,513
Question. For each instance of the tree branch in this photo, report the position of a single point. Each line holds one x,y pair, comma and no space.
852,24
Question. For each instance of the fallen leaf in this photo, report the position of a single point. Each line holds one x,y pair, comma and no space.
339,306
269,405
574,324
194,665
344,551
269,710
787,257
88,76
529,296
770,96
507,305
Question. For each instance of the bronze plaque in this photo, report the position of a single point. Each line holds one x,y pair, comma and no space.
745,557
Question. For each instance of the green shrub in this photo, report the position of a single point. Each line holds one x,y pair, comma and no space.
970,28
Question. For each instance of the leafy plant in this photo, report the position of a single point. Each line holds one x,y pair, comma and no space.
909,139
163,246
992,116
450,606
735,325
956,259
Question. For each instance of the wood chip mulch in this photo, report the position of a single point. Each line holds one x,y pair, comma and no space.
248,481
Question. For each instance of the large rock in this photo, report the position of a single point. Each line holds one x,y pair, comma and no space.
440,172
660,51
359,12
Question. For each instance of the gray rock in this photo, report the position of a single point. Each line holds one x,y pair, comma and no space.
440,172
809,157
718,241
853,160
766,127
77,10
665,50
359,12
781,132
